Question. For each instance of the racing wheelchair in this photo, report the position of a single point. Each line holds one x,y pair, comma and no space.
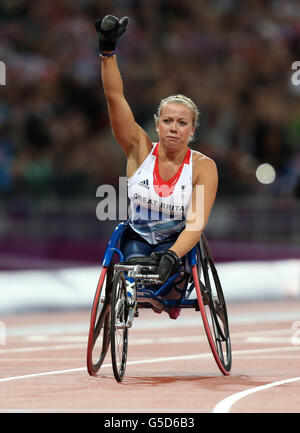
114,308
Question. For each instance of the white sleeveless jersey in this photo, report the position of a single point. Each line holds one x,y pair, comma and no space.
157,208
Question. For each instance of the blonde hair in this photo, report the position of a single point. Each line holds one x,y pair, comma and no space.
180,99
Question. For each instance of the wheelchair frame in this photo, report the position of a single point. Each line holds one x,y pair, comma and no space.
104,320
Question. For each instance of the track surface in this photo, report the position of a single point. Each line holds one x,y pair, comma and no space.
170,367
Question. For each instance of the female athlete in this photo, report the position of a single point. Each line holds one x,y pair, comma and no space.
171,188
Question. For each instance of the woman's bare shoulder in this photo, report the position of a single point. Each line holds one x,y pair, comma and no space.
203,165
201,159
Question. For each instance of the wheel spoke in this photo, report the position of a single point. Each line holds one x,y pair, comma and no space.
214,308
119,330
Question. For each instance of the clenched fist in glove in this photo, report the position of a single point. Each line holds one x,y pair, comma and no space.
168,264
109,29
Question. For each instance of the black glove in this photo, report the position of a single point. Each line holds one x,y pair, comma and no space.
109,29
168,264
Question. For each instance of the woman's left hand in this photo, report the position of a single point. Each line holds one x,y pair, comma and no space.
168,264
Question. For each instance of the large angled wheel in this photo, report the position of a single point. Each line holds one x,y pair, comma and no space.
212,306
99,332
119,328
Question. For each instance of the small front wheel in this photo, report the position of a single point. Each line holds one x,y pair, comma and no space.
119,326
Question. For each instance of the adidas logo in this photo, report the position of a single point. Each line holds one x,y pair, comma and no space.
145,183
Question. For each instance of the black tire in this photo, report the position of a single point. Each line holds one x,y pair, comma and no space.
215,306
118,329
99,332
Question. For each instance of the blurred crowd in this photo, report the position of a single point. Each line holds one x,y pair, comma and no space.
233,58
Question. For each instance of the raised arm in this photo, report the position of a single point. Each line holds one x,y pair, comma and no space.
128,133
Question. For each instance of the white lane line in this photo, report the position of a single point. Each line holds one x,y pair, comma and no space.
35,360
281,335
81,340
133,342
42,348
142,323
225,405
46,373
151,361
142,361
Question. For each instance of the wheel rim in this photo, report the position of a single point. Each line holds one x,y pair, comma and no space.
214,312
98,340
218,312
101,339
119,330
